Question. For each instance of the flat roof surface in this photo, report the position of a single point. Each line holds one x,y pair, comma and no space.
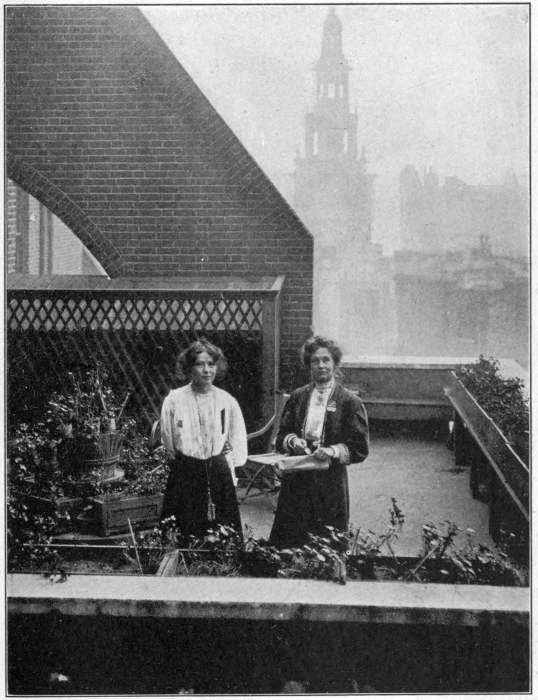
420,474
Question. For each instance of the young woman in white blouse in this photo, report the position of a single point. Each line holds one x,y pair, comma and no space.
204,434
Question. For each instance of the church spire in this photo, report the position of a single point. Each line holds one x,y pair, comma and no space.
332,67
331,44
331,130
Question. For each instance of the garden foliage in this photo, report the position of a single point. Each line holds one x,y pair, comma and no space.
333,556
503,399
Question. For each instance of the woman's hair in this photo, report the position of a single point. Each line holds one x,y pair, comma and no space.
187,359
315,343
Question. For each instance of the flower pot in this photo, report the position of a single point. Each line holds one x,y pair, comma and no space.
110,515
102,456
85,486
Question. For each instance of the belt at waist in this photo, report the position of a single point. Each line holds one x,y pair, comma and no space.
181,460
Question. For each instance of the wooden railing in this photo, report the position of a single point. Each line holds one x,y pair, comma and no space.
508,478
136,328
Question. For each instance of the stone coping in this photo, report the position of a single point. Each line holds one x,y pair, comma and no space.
419,361
508,367
269,599
102,283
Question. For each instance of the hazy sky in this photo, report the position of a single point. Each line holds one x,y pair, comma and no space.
441,86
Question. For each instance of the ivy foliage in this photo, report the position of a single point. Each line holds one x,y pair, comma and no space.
503,399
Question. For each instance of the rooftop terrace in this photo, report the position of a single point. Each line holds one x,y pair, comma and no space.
419,472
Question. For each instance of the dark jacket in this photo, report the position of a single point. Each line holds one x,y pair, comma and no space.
311,500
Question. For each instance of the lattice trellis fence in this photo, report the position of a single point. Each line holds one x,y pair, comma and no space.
136,328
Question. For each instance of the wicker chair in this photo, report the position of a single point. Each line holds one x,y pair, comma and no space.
259,475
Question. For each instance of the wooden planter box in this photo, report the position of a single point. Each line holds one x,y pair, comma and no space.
110,515
509,487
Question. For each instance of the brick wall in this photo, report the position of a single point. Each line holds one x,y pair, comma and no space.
107,129
11,226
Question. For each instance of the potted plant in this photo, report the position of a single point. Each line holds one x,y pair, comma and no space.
86,416
138,497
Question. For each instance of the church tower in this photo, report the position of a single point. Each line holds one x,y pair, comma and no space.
333,196
333,191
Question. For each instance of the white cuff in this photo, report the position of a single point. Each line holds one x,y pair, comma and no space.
286,442
341,453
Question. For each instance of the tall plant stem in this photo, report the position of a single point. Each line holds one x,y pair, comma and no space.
135,545
421,562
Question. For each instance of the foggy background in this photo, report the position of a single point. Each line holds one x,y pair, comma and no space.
440,86
399,135
437,263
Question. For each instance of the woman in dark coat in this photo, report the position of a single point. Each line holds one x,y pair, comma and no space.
330,422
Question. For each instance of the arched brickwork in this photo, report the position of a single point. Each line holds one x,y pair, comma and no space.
51,196
99,106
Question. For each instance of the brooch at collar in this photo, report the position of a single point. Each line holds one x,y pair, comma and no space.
331,406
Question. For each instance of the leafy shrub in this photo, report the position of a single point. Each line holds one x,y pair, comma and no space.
502,398
443,561
38,477
32,472
335,555
145,468
217,553
321,557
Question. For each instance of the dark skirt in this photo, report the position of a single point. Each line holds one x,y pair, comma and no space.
186,495
308,502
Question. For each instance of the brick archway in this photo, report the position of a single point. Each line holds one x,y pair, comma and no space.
51,196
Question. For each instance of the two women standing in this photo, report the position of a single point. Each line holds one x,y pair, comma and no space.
204,434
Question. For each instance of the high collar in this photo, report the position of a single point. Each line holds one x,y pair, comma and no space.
324,388
201,393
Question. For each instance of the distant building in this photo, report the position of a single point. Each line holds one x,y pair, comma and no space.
437,218
462,303
462,276
333,196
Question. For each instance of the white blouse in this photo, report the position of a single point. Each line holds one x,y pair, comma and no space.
315,416
198,425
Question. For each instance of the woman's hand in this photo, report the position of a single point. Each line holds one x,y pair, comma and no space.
299,446
324,454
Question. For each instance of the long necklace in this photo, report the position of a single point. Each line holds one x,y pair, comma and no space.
211,509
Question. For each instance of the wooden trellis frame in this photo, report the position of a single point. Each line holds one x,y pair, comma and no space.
76,320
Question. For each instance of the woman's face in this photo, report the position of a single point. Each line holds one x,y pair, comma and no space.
203,371
322,365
